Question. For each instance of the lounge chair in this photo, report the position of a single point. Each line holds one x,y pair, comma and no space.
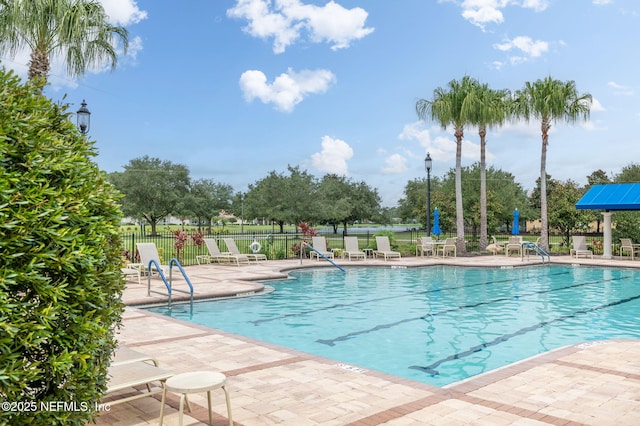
384,249
448,247
233,249
320,244
627,246
425,245
514,244
215,255
580,247
351,249
495,247
148,252
130,369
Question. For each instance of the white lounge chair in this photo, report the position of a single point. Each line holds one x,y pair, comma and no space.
627,246
424,245
351,249
148,253
233,249
320,244
130,369
215,255
514,244
580,247
383,249
448,247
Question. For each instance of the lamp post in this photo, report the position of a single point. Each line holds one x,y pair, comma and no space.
427,167
84,118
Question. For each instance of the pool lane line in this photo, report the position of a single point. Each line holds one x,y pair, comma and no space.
362,302
431,369
332,342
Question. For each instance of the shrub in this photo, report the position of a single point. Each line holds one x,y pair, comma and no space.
60,282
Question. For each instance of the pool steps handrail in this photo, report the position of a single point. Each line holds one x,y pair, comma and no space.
168,284
324,257
528,245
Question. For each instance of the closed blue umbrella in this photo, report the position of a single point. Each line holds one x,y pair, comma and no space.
436,223
516,223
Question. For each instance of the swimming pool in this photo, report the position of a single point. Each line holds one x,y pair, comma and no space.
437,324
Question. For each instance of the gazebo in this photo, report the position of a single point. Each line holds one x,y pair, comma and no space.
610,197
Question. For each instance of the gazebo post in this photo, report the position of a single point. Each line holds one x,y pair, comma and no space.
607,235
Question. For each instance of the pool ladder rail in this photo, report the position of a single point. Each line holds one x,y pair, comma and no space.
321,255
528,246
168,283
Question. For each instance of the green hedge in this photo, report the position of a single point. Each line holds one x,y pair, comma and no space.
60,284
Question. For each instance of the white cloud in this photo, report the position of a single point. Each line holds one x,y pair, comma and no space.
482,12
440,147
123,12
602,2
285,21
619,89
333,156
288,89
395,163
523,44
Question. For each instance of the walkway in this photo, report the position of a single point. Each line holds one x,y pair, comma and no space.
596,383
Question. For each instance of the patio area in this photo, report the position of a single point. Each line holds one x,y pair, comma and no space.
595,383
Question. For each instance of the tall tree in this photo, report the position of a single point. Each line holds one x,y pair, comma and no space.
207,199
282,199
549,100
452,106
152,188
489,108
77,30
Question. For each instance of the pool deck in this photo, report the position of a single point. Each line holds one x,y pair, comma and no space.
594,383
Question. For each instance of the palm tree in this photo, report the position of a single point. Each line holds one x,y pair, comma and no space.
451,107
488,108
549,100
77,30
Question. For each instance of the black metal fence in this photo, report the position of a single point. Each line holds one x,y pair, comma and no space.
287,245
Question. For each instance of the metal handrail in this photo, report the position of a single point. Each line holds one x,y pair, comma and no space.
323,256
168,284
537,249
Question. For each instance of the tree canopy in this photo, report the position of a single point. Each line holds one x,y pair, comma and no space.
77,30
153,189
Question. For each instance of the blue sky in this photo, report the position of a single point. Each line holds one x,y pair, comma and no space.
236,89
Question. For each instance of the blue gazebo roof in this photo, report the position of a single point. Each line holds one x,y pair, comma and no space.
613,196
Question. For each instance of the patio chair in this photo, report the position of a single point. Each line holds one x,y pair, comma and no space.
351,248
148,252
514,244
627,246
580,247
215,255
425,245
233,249
131,369
320,244
495,247
383,249
448,247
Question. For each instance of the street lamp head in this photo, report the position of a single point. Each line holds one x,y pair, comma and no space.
427,163
84,118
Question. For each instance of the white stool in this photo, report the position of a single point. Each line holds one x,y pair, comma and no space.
193,382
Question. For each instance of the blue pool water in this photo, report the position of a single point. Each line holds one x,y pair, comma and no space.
436,325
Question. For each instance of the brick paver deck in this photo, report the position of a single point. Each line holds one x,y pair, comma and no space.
595,383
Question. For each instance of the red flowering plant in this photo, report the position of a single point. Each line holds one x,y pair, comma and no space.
180,240
308,231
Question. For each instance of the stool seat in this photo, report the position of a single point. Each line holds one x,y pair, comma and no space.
194,382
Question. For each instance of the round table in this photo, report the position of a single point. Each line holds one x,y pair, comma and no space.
194,382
